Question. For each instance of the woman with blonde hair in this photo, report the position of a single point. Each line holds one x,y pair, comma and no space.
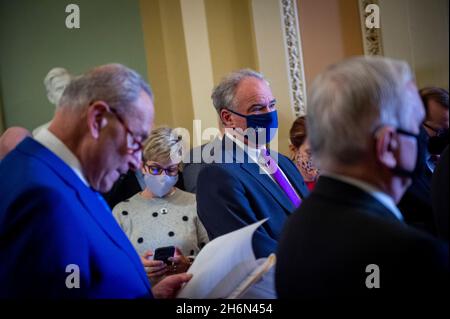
162,215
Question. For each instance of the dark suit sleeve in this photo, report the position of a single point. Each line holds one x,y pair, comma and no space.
45,238
190,175
440,195
223,207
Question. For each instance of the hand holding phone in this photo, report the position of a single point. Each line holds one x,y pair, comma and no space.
164,253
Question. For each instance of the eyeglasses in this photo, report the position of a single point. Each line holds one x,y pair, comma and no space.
407,133
155,169
399,131
438,132
133,145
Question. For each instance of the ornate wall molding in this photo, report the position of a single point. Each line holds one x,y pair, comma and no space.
372,41
294,56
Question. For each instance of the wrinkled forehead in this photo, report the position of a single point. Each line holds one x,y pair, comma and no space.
255,90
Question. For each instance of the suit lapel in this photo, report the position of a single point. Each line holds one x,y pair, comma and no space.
252,168
272,187
97,209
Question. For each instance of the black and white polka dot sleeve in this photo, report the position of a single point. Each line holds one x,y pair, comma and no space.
122,216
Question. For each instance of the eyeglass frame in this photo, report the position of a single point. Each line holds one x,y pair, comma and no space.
139,144
162,169
437,131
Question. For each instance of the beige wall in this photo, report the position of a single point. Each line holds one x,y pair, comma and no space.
231,36
330,31
417,31
167,64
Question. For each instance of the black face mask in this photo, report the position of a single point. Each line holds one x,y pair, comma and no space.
420,159
438,143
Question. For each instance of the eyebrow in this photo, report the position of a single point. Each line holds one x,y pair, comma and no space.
260,104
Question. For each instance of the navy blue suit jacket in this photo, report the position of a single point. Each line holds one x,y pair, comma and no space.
49,221
233,195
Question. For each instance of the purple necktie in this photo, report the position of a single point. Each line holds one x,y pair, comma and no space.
279,177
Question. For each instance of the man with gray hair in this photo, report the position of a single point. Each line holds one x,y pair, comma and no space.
247,181
58,237
348,238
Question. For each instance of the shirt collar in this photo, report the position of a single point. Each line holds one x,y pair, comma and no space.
54,144
382,197
253,153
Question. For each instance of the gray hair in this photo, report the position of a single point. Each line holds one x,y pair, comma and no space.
350,100
223,94
115,84
163,145
55,82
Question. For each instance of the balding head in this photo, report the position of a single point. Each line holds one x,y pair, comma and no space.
115,84
103,117
11,138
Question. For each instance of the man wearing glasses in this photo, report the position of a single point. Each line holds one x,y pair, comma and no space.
416,205
58,237
348,240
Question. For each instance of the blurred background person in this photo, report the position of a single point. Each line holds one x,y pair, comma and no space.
440,196
11,138
348,238
55,83
162,215
436,123
416,204
301,152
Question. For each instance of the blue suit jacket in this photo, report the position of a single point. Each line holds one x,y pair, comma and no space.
233,195
49,220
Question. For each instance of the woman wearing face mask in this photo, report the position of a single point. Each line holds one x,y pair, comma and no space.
301,153
162,215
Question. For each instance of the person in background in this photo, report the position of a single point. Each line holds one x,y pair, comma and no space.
440,195
55,83
11,138
436,124
248,181
348,239
58,236
162,215
301,152
416,204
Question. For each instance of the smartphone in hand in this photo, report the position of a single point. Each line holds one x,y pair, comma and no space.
164,253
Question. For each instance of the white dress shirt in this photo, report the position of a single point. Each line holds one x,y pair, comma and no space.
380,196
54,144
255,156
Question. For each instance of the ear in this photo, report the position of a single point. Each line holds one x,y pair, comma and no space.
96,118
387,147
225,117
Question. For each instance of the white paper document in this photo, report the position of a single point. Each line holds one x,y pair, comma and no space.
226,267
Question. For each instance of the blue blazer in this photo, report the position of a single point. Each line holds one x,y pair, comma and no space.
50,221
233,195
